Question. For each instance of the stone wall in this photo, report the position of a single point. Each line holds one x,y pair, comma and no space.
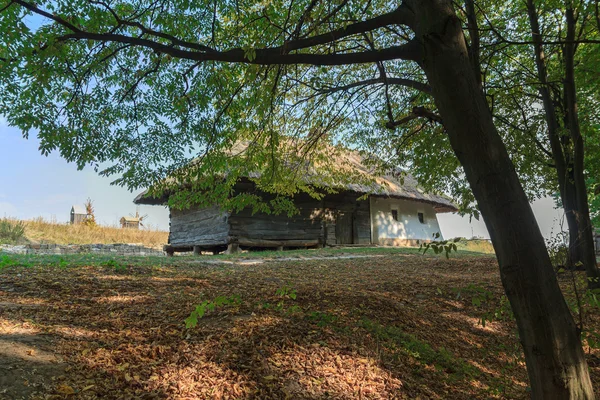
120,249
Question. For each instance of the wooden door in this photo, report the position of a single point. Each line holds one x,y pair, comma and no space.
343,228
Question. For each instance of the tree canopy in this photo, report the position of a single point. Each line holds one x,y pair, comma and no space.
139,89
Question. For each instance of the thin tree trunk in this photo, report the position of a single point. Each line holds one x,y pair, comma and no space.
555,361
585,237
569,163
576,250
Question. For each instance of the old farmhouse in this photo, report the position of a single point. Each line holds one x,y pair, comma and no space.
390,212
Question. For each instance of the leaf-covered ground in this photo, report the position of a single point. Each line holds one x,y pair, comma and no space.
395,325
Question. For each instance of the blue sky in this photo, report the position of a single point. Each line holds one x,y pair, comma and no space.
32,185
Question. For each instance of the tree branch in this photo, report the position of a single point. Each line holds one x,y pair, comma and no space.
401,121
417,112
400,16
474,47
424,112
263,56
266,56
423,87
174,40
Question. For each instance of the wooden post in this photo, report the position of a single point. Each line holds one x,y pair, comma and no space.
169,250
197,250
279,248
233,248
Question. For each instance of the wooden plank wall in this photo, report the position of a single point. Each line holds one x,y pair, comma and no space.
199,227
348,203
270,230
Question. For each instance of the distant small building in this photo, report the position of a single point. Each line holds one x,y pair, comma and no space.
78,214
130,222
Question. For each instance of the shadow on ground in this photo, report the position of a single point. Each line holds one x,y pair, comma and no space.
384,328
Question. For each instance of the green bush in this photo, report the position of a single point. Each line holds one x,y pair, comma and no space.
11,231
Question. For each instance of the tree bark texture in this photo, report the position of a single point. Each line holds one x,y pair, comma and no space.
555,361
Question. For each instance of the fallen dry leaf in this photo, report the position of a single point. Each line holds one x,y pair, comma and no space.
65,390
389,327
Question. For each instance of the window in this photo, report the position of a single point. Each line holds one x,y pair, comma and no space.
395,215
421,218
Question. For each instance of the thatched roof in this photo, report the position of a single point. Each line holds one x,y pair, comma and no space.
399,185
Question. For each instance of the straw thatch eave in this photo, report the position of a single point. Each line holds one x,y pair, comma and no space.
400,185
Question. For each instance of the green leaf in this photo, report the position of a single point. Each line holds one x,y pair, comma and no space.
191,321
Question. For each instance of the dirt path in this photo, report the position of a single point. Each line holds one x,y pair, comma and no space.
261,260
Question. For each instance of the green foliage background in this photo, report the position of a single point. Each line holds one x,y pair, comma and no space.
140,114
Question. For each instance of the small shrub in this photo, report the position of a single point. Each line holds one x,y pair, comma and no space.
119,268
322,318
478,294
11,231
91,218
482,298
210,305
444,246
285,292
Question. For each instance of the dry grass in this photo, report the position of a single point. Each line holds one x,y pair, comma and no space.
40,230
476,245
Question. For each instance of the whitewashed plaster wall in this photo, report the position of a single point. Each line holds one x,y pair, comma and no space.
385,229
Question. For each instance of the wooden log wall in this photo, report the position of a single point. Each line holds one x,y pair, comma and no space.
314,225
269,230
199,227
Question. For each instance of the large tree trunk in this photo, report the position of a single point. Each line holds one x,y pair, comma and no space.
555,361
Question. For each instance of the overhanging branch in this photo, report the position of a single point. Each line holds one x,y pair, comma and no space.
264,56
